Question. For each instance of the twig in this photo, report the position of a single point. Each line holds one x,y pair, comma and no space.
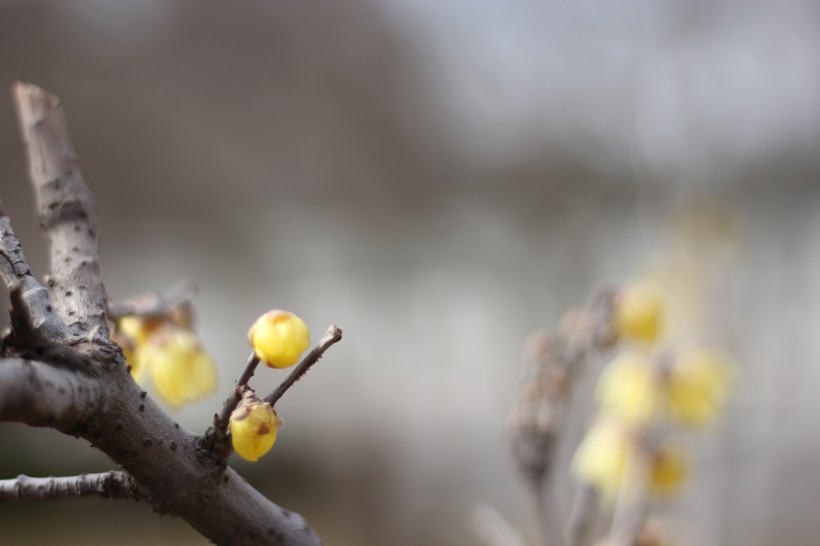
236,393
332,335
113,485
551,365
582,516
154,304
66,209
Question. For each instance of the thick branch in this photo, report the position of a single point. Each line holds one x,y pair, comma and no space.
112,485
66,208
41,394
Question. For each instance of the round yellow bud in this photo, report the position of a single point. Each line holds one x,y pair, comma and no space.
639,312
181,369
279,338
254,425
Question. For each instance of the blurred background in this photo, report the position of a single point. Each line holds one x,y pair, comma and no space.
439,178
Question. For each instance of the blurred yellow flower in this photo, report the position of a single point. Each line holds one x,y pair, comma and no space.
279,338
254,426
697,386
607,451
689,388
639,311
600,459
182,371
628,388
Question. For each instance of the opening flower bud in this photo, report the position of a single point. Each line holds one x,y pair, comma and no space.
253,425
279,338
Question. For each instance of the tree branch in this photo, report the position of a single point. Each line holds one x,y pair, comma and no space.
90,393
66,209
332,335
43,395
113,485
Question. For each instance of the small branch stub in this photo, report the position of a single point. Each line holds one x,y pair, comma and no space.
113,485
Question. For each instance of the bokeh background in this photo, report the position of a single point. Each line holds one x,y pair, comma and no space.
439,178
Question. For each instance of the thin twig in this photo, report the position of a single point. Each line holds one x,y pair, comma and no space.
113,485
582,516
332,335
236,393
66,209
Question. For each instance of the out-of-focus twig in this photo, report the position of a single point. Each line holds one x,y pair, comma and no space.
552,363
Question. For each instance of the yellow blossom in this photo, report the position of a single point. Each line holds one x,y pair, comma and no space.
689,388
279,338
182,371
697,386
639,311
629,389
600,459
607,451
253,425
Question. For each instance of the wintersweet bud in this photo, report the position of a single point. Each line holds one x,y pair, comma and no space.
253,425
182,371
279,338
639,311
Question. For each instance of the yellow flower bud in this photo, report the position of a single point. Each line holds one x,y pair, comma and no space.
697,386
639,311
629,389
181,369
254,425
279,338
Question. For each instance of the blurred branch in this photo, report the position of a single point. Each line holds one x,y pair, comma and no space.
582,517
552,363
154,304
66,208
112,485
